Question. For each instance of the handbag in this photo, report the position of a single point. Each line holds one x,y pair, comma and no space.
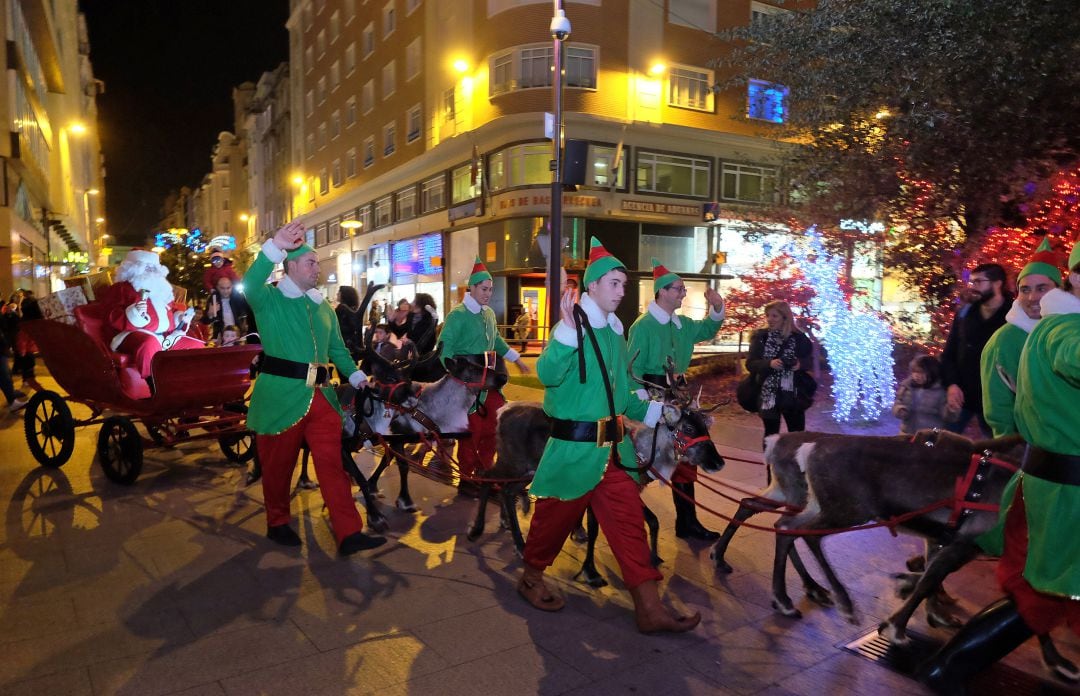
748,393
805,388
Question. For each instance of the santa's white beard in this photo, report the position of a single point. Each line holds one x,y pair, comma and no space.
158,289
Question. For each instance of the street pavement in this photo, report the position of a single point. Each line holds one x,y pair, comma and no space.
169,587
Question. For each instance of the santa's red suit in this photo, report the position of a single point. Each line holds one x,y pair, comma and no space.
144,331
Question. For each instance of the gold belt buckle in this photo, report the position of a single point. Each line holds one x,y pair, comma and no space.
602,431
313,374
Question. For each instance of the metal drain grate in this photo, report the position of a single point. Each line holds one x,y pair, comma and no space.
999,679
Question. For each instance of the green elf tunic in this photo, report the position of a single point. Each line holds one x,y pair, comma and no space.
295,326
470,329
569,470
999,364
656,335
1048,390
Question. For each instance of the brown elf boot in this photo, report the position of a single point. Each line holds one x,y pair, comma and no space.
653,617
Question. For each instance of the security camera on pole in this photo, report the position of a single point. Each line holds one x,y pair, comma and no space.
560,30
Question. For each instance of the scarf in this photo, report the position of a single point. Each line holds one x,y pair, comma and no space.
778,380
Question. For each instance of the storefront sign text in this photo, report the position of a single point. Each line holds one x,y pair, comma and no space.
661,208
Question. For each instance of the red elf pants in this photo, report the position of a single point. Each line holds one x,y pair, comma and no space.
477,452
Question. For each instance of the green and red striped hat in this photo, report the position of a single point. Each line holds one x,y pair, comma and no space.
1043,262
600,262
661,276
479,273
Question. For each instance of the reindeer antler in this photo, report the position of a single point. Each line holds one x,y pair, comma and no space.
643,382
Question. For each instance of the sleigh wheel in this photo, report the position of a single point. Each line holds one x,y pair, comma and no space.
238,447
120,450
49,428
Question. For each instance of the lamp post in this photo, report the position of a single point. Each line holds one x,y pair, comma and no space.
353,226
560,30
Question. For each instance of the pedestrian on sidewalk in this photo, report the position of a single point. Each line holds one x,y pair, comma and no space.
778,354
920,402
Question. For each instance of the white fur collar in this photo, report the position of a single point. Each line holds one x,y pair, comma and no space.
471,304
1019,318
291,290
1059,302
596,315
663,317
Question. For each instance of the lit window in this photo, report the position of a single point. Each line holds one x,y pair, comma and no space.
449,104
433,194
465,183
673,174
384,210
405,202
747,183
766,101
324,181
690,88
501,73
520,165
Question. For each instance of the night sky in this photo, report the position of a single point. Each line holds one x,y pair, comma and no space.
169,67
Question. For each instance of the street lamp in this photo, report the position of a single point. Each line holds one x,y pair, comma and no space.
352,226
560,31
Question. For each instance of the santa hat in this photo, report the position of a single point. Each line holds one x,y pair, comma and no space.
479,273
661,276
299,251
1074,256
1043,262
600,262
142,256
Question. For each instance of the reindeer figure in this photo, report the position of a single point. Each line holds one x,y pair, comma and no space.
845,481
442,407
522,434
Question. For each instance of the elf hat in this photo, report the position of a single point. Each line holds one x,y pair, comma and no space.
600,262
1043,262
1074,256
299,251
479,273
661,276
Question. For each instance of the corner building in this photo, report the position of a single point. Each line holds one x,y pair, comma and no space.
419,141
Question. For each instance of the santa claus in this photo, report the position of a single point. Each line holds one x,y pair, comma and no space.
143,310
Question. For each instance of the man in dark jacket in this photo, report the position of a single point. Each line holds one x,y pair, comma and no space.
226,307
973,326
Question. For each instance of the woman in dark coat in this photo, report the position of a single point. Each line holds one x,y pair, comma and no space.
399,319
350,319
777,353
420,337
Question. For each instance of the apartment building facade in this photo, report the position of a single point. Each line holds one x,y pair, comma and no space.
52,204
420,125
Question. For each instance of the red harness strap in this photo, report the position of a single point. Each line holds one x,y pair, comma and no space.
975,473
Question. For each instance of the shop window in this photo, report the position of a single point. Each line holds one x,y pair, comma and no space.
746,183
673,174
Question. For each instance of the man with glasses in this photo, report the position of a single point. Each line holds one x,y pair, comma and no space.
658,335
972,327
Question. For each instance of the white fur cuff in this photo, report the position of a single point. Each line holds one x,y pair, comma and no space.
357,379
652,416
272,252
135,317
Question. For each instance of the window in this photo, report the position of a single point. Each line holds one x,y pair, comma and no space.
335,26
410,6
388,79
465,183
389,19
335,125
766,101
761,14
309,59
320,235
600,165
534,67
367,97
690,88
449,108
674,174
311,189
320,43
433,194
320,90
369,151
365,217
350,163
405,203
310,145
309,103
384,211
367,40
324,181
696,14
225,204
389,134
413,56
520,165
336,173
350,112
322,135
333,231
350,58
335,75
413,124
747,183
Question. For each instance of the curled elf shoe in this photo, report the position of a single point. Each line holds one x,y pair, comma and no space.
537,594
359,542
663,621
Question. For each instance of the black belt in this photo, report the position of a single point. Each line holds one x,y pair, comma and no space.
1051,466
602,432
313,374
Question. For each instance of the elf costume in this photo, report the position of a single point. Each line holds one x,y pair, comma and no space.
575,471
1000,358
470,329
292,401
1040,567
655,337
